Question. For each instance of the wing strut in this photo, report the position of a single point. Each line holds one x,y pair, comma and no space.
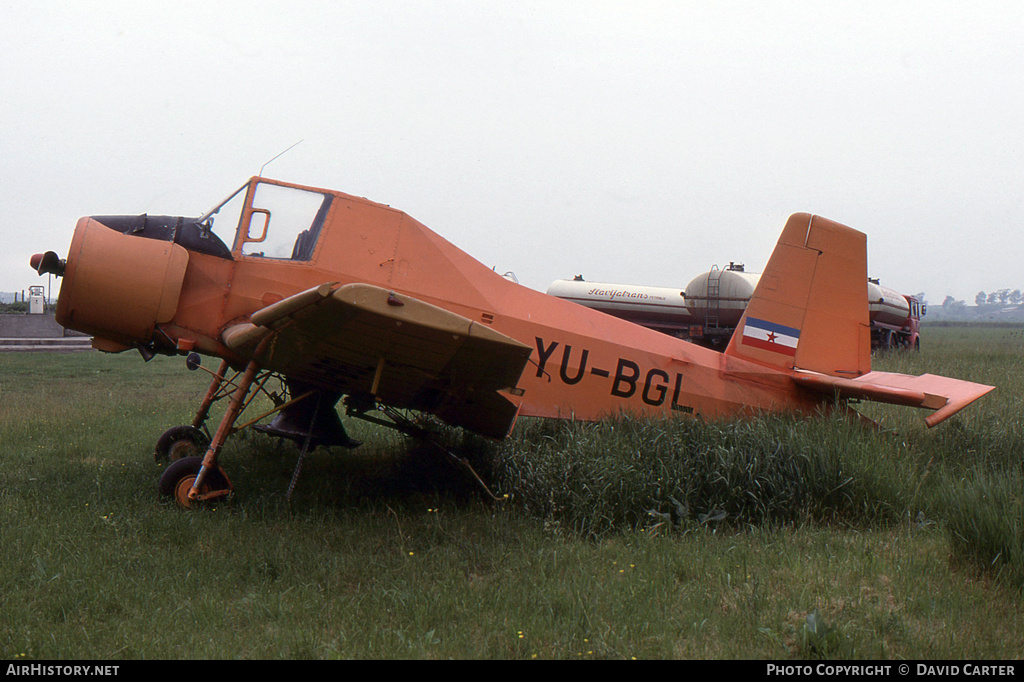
398,421
302,454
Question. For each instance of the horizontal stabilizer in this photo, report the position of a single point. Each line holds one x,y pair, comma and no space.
944,395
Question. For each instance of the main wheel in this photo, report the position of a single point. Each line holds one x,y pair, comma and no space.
179,442
179,477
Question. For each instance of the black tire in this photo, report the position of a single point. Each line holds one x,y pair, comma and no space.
179,442
178,477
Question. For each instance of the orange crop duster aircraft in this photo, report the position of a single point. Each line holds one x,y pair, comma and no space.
341,296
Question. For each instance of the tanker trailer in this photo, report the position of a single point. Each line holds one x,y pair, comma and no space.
656,308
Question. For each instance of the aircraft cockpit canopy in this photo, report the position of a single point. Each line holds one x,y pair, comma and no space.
270,220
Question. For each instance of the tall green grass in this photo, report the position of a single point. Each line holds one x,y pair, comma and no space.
630,473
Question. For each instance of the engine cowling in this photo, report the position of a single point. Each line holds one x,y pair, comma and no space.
119,286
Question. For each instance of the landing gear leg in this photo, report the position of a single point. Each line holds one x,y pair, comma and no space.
235,408
192,480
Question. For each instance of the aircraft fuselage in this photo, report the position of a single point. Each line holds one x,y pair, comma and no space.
171,285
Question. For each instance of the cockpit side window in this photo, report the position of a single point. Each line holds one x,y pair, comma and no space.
283,222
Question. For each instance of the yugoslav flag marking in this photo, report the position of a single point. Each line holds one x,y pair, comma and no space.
770,336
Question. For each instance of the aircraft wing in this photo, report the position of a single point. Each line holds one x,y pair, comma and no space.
944,395
362,339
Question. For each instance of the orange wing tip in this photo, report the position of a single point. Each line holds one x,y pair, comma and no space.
944,395
944,413
965,394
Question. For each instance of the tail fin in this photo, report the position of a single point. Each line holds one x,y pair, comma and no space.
810,307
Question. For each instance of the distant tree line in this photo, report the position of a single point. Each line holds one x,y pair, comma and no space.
1000,297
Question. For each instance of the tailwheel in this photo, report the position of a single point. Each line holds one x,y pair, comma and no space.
178,478
179,442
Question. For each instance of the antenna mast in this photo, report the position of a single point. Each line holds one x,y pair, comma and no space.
281,154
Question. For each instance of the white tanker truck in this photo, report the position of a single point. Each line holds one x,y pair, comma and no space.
709,308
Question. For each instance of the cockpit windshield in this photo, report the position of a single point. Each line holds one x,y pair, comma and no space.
223,219
283,222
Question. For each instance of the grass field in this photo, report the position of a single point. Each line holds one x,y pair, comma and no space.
772,538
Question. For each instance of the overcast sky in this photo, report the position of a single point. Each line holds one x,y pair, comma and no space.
631,142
